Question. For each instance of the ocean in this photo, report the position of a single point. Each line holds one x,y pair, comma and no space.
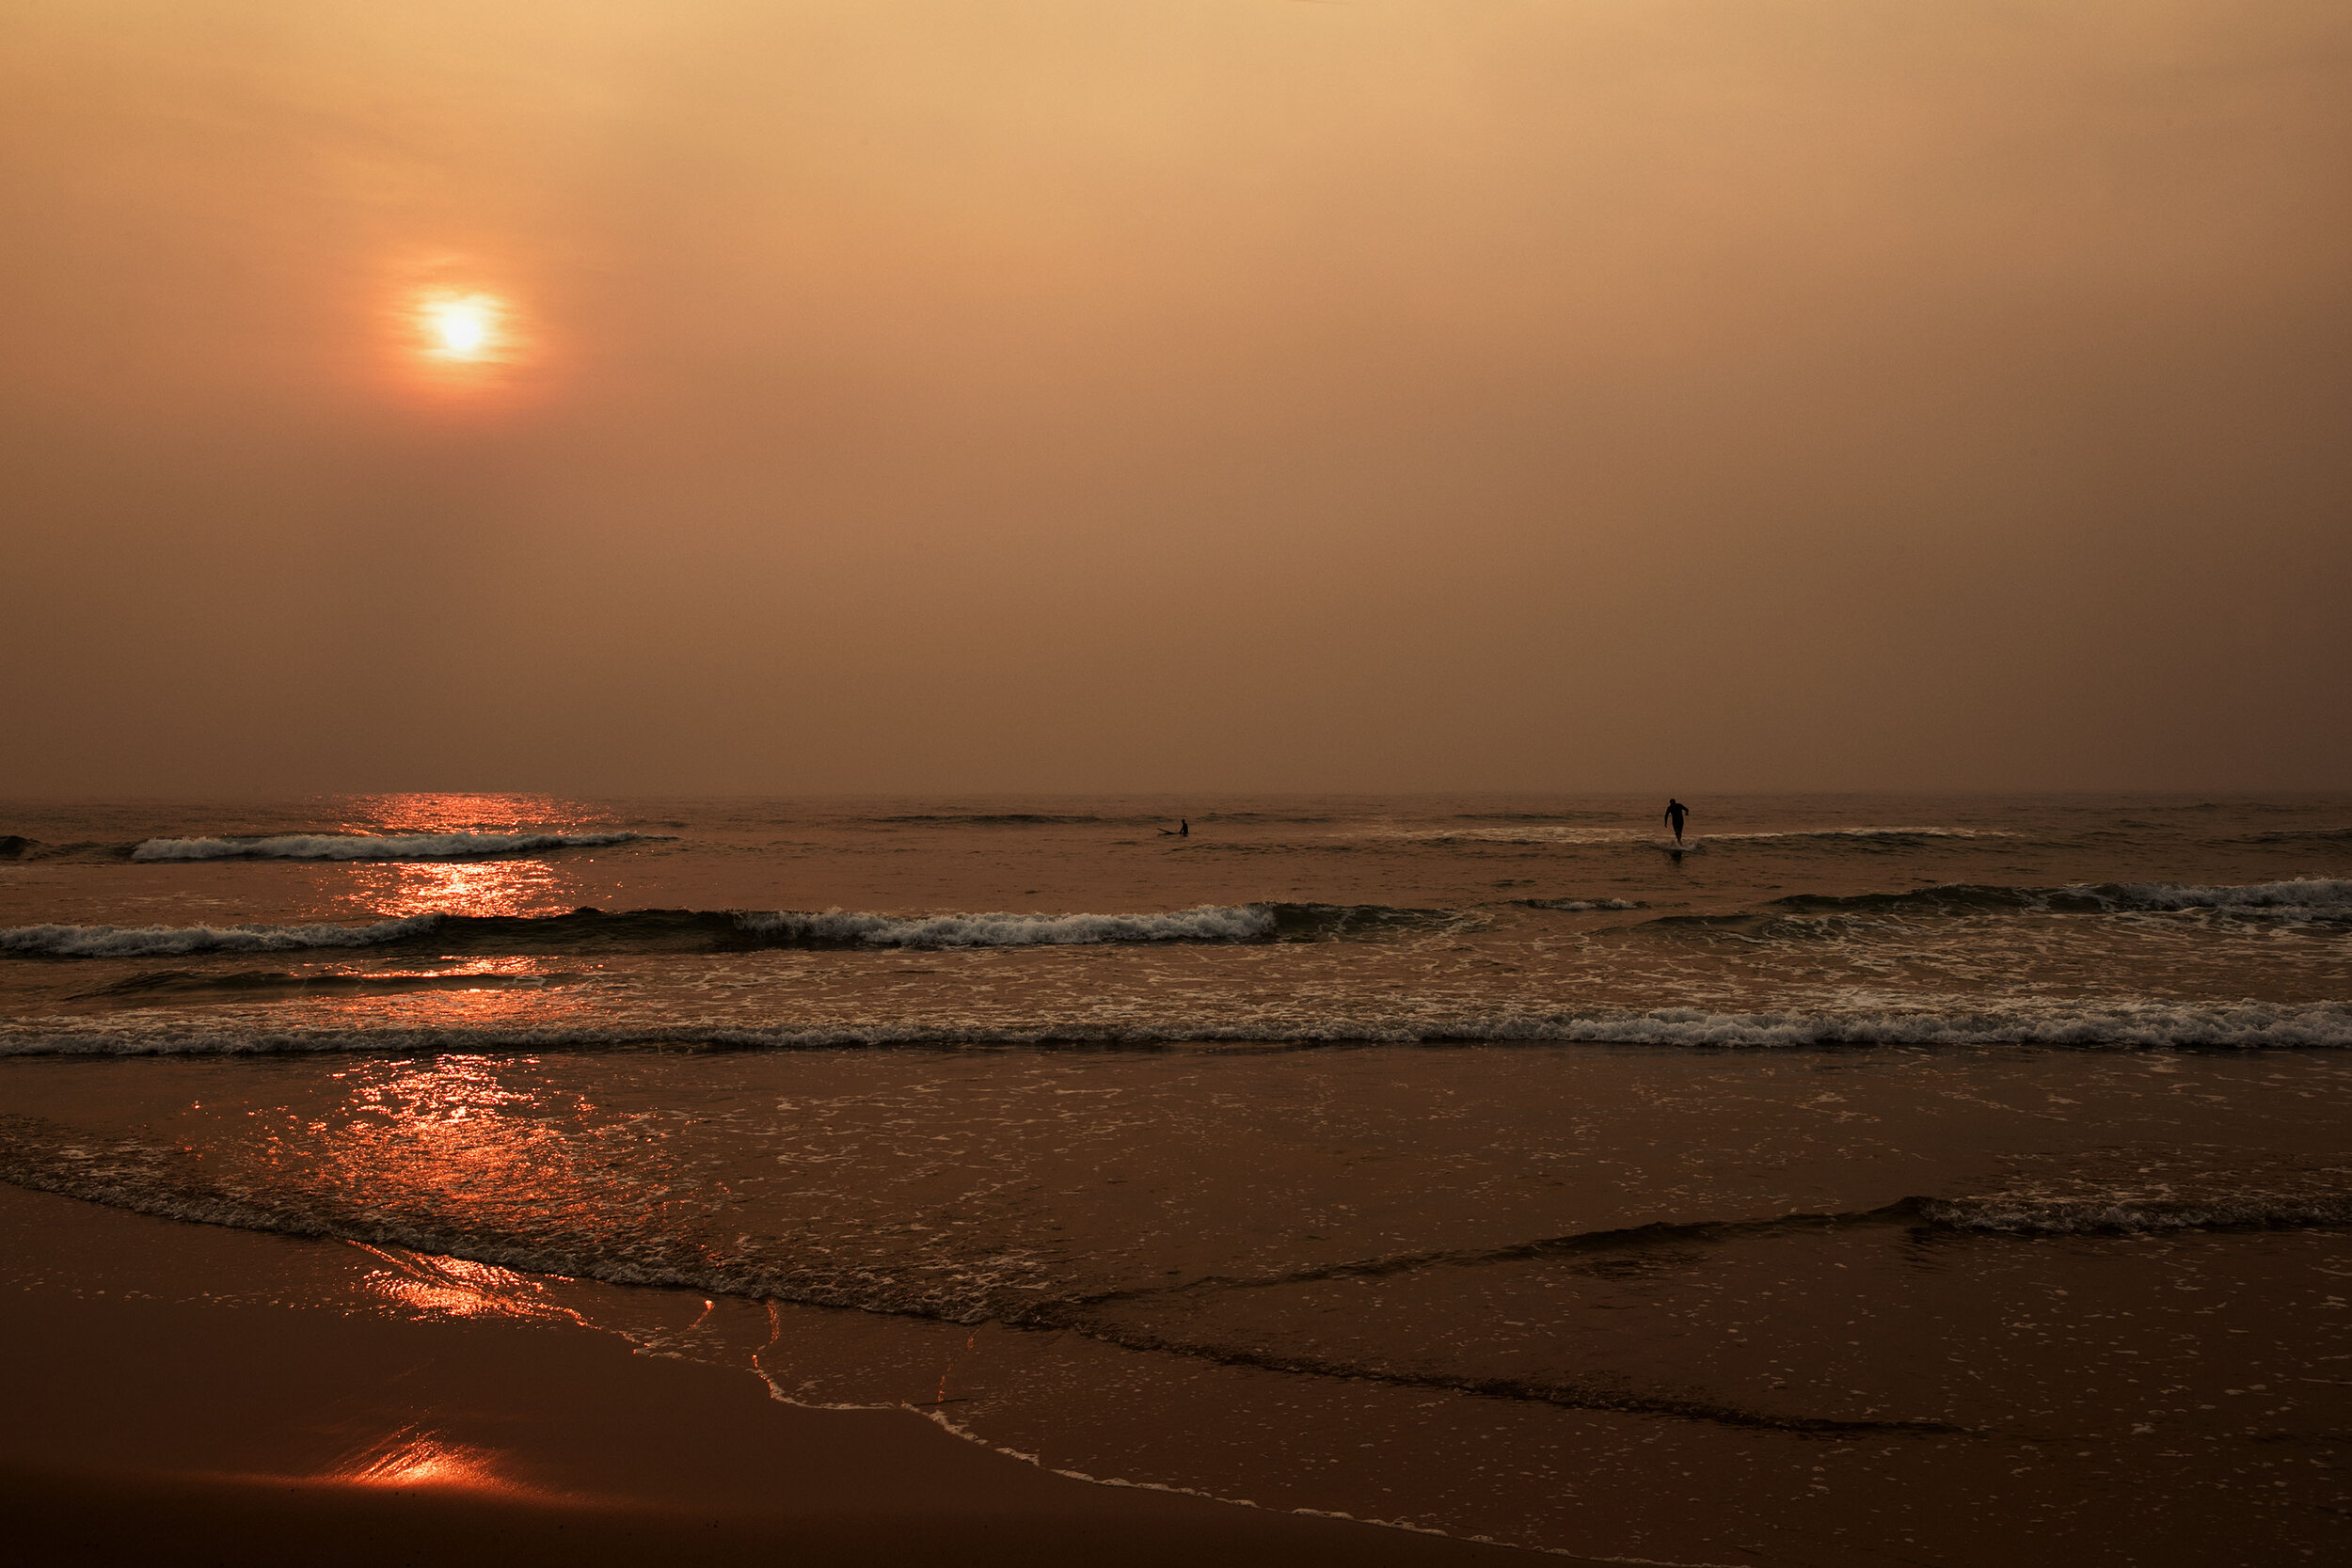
1870,1179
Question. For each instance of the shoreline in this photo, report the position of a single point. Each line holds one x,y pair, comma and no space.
263,1414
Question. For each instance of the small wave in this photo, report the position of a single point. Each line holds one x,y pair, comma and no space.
850,928
2135,1215
1890,837
370,847
1571,828
1212,922
2150,1025
720,930
2305,899
1010,819
1579,906
1232,847
146,942
1525,832
15,848
2300,835
172,986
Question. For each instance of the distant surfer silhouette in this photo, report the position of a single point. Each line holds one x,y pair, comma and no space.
1182,830
1675,812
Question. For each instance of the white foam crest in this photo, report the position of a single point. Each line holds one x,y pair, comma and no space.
140,942
1206,923
2144,1025
2150,1025
2073,1216
2308,895
1861,834
369,847
1533,834
1525,833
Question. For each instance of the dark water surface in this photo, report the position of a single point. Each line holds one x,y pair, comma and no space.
1878,1179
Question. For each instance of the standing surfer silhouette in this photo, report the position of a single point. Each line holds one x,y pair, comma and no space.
1675,812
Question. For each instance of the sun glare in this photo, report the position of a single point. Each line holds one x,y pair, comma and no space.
461,328
457,341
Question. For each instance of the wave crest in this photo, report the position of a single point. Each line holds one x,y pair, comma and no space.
717,931
143,941
853,928
370,847
1862,834
2132,1216
2152,1025
2305,898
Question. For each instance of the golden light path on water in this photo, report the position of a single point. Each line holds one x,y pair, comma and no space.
397,889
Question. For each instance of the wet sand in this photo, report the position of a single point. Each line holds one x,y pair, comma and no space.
191,1394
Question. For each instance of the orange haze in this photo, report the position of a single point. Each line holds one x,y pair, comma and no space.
1082,394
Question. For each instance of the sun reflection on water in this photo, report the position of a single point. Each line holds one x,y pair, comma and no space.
489,886
444,1138
469,812
426,1284
397,889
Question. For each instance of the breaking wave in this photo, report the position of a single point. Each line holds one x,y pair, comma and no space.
2150,1025
848,929
2137,1215
719,930
1013,819
370,847
2307,897
150,987
1588,830
1886,837
143,941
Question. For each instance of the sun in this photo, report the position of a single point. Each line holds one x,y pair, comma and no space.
461,328
456,333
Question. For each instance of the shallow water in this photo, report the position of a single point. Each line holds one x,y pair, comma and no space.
1877,1181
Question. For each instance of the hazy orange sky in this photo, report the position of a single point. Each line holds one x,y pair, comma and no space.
1187,394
